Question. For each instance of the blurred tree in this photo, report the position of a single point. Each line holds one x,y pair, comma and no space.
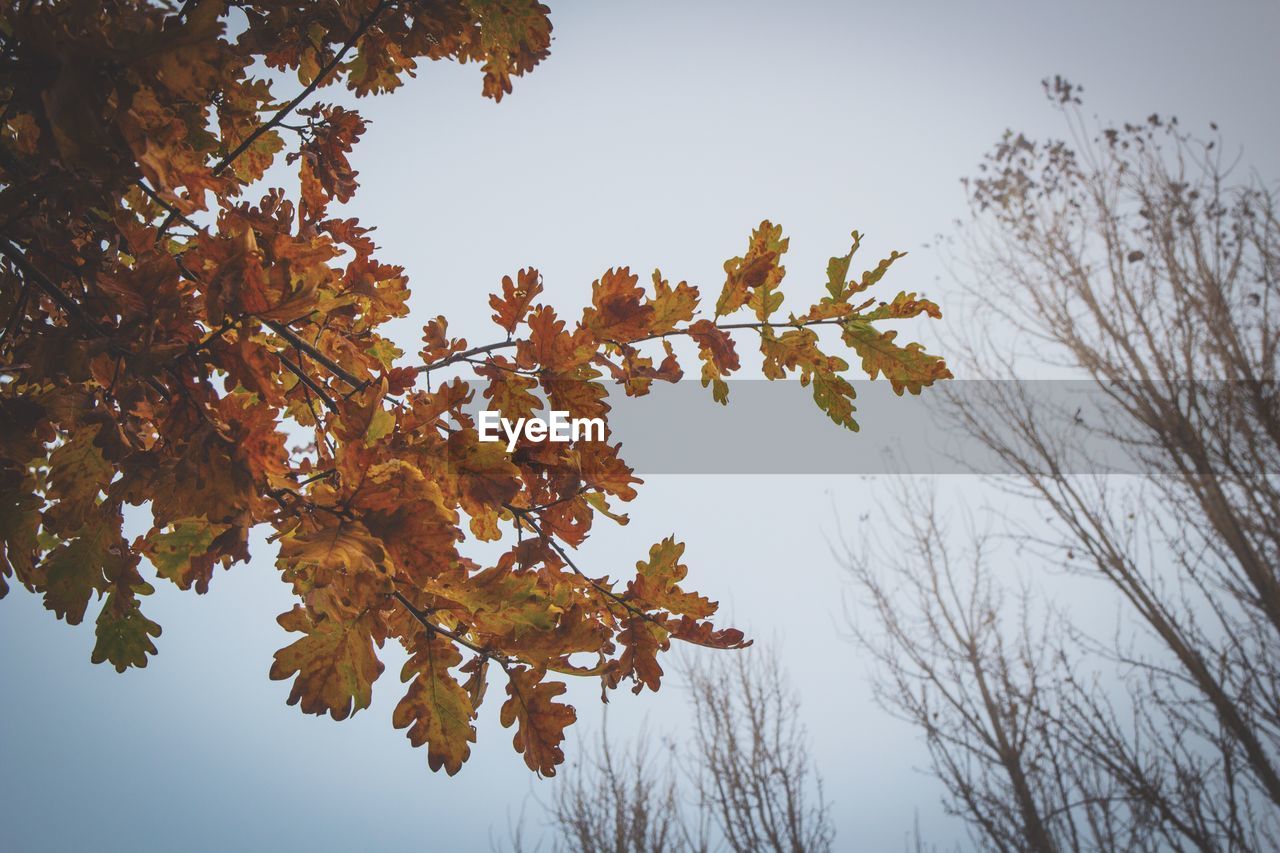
979,669
1137,258
744,781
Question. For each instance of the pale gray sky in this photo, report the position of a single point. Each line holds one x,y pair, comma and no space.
658,134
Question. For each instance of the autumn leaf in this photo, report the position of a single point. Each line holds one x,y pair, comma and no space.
77,474
904,306
182,553
549,343
326,172
436,710
335,664
258,156
834,395
19,531
78,569
671,305
618,312
124,634
517,296
705,634
872,277
485,477
642,640
437,345
758,268
655,585
338,568
500,602
838,270
509,392
907,367
719,358
515,35
540,721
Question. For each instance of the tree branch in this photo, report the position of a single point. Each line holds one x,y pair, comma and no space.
73,309
488,654
299,344
315,83
282,113
525,516
309,382
468,355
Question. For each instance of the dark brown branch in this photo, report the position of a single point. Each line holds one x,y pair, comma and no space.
174,213
525,516
285,332
15,316
328,472
213,336
466,355
488,654
73,309
299,344
66,303
309,383
758,326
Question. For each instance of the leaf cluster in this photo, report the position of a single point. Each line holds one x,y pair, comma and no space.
171,343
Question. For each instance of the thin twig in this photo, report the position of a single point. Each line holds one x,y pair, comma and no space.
15,317
285,332
466,355
174,213
525,516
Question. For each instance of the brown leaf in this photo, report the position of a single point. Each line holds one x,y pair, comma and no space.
541,721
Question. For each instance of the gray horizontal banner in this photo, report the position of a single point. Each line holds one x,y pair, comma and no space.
956,427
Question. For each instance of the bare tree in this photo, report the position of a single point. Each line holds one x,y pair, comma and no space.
978,670
750,763
1134,258
743,781
627,803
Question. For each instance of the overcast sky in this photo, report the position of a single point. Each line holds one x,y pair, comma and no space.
657,134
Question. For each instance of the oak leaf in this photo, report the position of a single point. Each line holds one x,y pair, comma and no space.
334,662
907,368
655,585
436,710
540,721
517,296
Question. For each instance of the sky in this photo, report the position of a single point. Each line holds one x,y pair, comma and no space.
656,135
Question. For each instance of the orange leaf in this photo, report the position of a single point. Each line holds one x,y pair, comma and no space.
335,664
541,721
436,709
511,307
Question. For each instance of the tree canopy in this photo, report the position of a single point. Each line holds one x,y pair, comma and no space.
179,338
